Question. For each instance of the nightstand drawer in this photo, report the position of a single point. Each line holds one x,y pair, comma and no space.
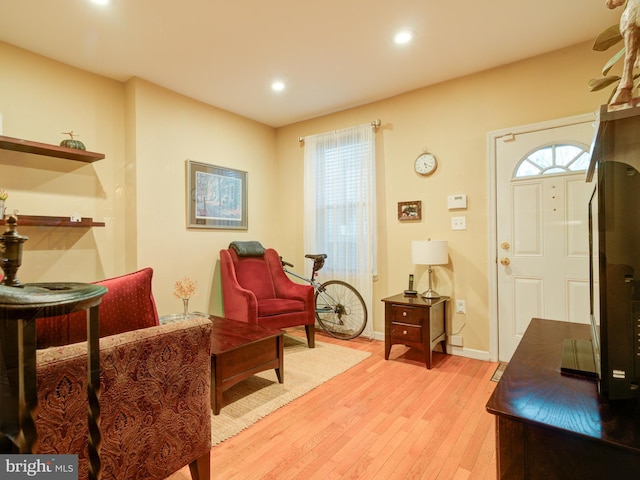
404,314
405,332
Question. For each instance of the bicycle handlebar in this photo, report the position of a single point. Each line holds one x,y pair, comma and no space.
286,264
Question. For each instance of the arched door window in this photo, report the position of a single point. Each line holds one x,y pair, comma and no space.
553,160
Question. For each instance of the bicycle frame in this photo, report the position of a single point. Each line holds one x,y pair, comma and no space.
343,317
313,282
316,286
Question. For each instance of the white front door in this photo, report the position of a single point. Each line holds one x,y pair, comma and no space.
541,229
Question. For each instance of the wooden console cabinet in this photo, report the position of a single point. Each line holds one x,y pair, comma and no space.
555,426
415,322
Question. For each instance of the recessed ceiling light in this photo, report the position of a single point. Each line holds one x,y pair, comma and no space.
277,86
100,2
403,37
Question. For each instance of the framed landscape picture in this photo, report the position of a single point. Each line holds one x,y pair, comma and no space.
216,197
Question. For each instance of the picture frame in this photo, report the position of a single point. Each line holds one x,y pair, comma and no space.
216,197
410,211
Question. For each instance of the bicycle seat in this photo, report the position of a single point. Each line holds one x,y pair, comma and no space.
318,260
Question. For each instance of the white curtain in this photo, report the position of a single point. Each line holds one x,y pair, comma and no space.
340,208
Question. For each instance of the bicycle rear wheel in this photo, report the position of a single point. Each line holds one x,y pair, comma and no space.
340,309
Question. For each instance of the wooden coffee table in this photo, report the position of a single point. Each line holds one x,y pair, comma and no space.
239,350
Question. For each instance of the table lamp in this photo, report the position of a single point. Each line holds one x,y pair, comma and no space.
429,252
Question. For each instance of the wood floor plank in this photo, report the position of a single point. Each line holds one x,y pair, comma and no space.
484,466
379,420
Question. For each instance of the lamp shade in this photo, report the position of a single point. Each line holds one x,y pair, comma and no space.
429,252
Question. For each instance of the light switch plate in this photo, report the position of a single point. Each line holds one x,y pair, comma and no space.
75,217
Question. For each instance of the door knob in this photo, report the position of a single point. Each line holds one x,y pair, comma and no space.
505,245
505,261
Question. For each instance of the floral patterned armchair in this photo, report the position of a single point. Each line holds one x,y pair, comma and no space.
155,409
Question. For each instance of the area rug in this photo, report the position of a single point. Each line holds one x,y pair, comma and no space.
256,397
498,373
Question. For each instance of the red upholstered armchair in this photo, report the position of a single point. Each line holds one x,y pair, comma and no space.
256,290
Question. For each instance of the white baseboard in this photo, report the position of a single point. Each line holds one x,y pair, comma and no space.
378,336
469,353
459,351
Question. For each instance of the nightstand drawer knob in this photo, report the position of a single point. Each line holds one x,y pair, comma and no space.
404,332
404,314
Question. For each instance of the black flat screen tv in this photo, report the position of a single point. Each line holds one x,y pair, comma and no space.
614,244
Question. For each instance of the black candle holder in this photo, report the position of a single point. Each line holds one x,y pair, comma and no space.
11,259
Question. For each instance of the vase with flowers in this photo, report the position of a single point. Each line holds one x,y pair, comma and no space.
184,289
3,196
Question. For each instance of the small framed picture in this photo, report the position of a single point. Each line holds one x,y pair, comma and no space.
408,211
216,197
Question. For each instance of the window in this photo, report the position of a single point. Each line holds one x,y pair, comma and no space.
553,160
341,176
340,207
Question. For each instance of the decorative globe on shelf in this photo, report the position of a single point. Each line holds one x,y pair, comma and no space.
72,142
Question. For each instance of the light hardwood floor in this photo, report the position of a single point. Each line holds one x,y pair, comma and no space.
379,420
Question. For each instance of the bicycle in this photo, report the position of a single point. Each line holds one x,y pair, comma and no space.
340,309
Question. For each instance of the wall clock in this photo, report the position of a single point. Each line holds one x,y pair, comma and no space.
425,164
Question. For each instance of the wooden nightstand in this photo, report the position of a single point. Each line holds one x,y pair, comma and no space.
415,322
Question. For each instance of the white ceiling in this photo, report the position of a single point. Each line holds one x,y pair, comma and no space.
332,54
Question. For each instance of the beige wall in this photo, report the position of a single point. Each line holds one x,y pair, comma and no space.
148,132
39,99
452,120
169,129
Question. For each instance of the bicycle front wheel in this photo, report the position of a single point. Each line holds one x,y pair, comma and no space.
340,310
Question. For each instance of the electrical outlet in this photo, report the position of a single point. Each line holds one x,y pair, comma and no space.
461,306
459,223
455,340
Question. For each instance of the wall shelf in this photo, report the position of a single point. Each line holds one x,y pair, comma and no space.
37,148
45,221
